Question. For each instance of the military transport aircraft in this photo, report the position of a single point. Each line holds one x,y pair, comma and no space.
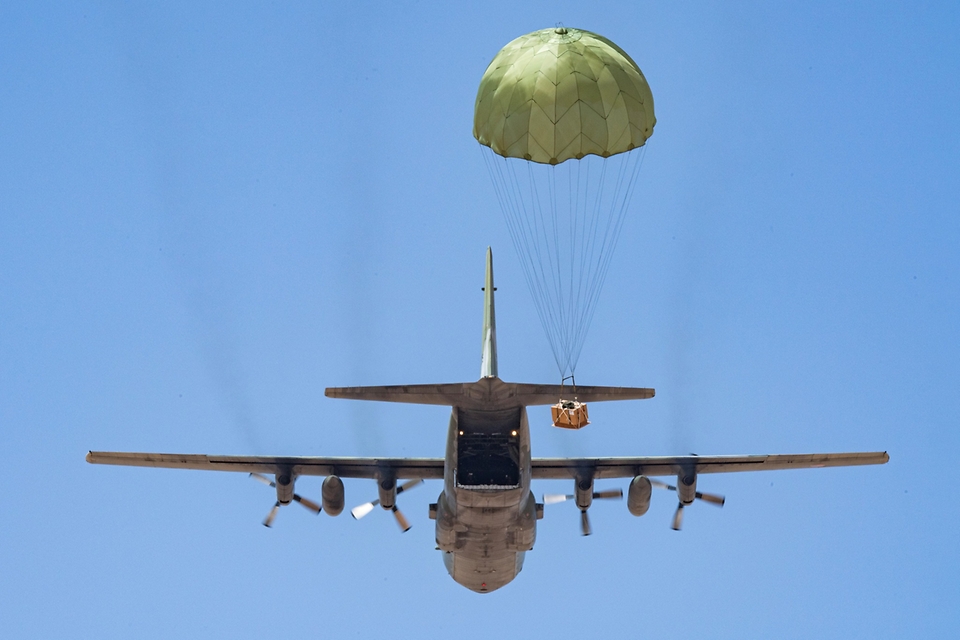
486,514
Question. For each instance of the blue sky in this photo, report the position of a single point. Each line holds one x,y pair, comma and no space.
209,213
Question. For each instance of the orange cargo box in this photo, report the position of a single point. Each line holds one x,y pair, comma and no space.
569,414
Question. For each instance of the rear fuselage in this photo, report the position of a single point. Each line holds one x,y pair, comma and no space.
486,514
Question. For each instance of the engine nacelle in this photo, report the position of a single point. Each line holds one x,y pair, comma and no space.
332,494
284,481
387,488
638,495
687,487
584,492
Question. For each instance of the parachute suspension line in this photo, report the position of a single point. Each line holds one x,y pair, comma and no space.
546,292
586,272
577,237
507,199
580,234
538,236
587,279
573,382
552,176
594,259
626,182
512,204
565,244
552,297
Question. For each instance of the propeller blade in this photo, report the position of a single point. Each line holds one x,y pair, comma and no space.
268,521
364,509
554,498
678,518
662,485
309,504
711,498
402,521
584,523
409,484
264,479
611,493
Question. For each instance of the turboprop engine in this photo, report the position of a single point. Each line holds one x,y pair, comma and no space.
686,492
638,495
388,490
687,487
284,487
332,494
584,494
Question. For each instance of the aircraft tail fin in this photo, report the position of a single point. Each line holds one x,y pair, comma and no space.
490,392
488,360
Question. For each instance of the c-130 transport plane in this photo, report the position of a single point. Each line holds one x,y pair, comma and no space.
486,515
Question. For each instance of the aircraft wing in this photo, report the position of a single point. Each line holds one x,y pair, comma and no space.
543,468
552,468
401,468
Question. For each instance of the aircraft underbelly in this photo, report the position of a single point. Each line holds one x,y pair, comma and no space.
482,568
484,545
486,553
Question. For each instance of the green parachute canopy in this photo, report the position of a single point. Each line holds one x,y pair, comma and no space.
561,93
562,116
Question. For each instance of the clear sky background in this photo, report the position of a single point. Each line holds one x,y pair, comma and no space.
210,212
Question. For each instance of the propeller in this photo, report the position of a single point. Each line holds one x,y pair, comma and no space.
712,498
585,530
268,521
308,504
367,507
678,518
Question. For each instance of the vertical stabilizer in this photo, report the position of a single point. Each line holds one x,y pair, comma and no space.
488,362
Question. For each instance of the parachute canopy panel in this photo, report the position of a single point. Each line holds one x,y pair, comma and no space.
562,93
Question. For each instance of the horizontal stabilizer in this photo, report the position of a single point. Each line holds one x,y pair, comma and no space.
443,394
536,394
487,393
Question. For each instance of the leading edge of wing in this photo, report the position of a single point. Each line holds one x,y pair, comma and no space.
401,468
547,468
